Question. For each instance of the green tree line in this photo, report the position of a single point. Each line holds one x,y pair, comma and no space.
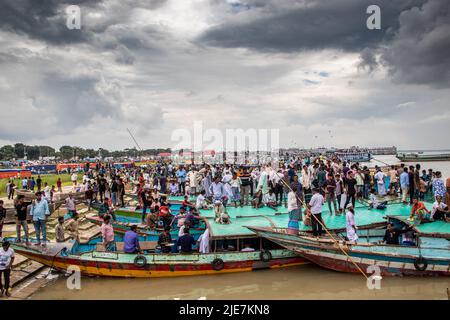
20,150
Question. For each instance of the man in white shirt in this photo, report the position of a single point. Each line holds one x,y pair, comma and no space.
201,201
74,178
440,210
270,200
6,261
315,209
193,183
379,178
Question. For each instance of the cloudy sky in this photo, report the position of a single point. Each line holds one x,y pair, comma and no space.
310,68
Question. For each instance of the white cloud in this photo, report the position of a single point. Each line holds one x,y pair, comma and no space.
143,69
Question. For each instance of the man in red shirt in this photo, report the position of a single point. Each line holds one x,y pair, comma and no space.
418,208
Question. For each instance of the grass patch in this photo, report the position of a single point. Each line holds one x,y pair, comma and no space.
49,178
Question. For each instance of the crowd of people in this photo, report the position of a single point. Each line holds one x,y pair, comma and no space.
301,185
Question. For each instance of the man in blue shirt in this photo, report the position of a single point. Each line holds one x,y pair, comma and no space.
131,241
404,184
216,189
39,212
185,242
181,177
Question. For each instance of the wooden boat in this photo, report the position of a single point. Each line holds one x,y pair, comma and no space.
429,257
225,256
417,157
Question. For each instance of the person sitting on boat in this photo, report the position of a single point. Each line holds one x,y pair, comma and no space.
152,219
107,233
224,218
173,189
218,209
186,203
408,238
350,224
270,200
181,216
419,209
105,210
131,241
192,216
257,200
392,235
165,240
375,203
201,203
186,225
185,242
247,248
440,210
163,201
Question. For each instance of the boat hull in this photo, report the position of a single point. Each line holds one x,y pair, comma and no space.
161,265
420,158
330,255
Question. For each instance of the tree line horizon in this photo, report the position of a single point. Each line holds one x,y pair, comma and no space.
66,152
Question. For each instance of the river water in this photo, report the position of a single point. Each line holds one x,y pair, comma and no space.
301,282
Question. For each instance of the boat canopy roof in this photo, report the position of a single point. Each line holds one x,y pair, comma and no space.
266,217
364,218
244,212
434,229
238,227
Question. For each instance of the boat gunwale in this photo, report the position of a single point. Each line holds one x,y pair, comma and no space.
325,244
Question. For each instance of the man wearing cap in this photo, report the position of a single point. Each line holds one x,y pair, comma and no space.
6,261
39,212
315,208
219,209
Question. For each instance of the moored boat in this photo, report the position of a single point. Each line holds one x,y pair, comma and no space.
429,256
234,248
412,157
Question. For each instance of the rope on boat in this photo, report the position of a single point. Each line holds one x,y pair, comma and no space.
386,164
326,230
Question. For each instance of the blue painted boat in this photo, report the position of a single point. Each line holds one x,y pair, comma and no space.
429,256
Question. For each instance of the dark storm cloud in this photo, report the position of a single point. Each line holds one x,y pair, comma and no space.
46,19
316,25
413,43
420,51
41,19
